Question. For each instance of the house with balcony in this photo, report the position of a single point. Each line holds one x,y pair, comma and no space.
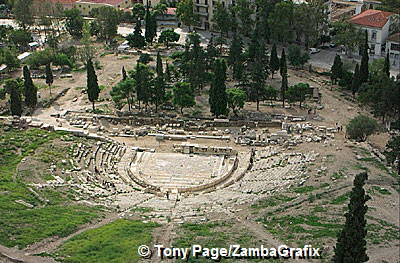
393,48
376,23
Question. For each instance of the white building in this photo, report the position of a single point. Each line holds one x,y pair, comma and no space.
393,48
377,24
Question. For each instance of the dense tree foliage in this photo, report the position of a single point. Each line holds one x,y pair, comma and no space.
236,98
296,57
392,152
136,39
217,96
23,12
184,11
283,72
30,91
12,86
336,69
360,127
167,36
74,23
273,61
183,95
49,76
93,89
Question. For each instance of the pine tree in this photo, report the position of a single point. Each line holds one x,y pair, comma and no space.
30,91
283,71
356,82
274,61
351,244
124,76
136,39
217,98
49,76
386,67
15,97
337,69
93,89
364,72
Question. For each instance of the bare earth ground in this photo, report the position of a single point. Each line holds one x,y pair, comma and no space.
337,156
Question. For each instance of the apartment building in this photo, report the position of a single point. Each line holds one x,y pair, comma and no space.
204,9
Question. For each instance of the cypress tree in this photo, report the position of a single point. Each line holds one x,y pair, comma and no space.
386,67
124,76
283,72
159,65
351,244
150,26
167,73
15,97
356,82
49,76
93,89
217,98
337,69
159,85
30,91
235,58
364,72
274,60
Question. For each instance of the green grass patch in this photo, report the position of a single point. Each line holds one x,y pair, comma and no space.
309,227
304,189
377,163
341,199
116,242
272,201
21,225
376,189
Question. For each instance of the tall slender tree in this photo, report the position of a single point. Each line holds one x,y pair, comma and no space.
283,71
49,76
218,98
356,82
364,71
337,69
144,83
236,58
386,66
159,84
150,26
30,91
93,89
124,76
274,60
351,244
12,87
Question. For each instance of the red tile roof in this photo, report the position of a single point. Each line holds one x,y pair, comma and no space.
64,2
109,2
371,18
171,11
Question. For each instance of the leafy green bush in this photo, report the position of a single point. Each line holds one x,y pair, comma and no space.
360,127
145,58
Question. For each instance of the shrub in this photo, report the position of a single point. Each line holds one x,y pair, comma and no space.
360,127
145,58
